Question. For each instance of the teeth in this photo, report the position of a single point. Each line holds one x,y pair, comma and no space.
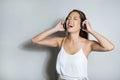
70,25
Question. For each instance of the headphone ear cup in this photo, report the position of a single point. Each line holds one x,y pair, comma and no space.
83,26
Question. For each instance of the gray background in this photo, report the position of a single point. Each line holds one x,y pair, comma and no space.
20,20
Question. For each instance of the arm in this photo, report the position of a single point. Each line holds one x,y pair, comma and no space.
43,39
102,43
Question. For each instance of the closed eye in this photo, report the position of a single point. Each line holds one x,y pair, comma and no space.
75,19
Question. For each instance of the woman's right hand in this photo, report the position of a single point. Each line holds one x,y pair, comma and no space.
59,26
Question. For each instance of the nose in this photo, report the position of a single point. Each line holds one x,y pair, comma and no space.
70,20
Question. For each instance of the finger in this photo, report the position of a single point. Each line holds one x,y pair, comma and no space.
62,22
85,30
84,22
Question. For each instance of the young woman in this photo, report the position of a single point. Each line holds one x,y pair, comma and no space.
75,47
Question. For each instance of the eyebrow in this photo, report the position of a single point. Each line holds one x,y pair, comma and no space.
73,17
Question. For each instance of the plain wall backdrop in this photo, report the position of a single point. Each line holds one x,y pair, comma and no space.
21,20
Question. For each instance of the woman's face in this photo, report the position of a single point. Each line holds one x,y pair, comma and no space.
73,22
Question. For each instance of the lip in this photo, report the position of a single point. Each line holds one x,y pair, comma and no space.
70,26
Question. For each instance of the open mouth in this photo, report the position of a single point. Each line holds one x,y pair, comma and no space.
70,26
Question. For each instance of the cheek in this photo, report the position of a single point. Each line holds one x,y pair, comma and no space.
78,24
66,22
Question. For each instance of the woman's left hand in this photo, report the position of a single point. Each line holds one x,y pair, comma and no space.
88,26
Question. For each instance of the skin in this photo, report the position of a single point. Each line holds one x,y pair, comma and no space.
73,42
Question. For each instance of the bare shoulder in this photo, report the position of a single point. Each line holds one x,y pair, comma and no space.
86,45
91,42
94,46
87,41
58,40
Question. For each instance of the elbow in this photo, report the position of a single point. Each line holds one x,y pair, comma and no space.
110,48
33,40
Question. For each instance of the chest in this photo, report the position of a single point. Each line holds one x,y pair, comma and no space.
75,59
72,48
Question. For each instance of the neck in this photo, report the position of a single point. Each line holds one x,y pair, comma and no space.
73,37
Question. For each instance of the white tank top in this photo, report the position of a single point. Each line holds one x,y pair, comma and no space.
71,65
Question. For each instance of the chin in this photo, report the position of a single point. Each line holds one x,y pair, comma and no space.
68,30
72,31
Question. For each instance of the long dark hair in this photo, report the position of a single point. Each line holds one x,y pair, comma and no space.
82,17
